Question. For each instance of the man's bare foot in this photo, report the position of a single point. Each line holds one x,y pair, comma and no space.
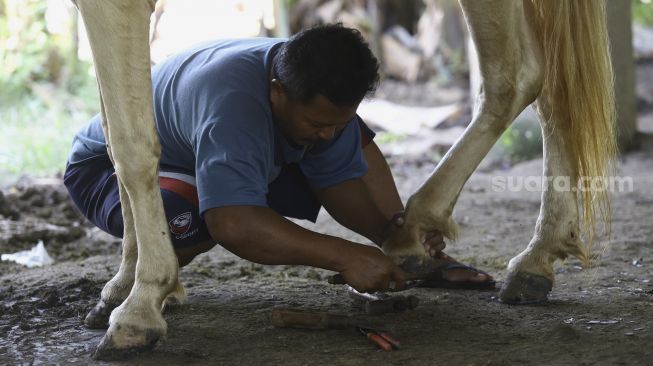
453,274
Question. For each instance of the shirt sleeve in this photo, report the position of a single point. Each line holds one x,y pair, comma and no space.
336,160
232,156
89,141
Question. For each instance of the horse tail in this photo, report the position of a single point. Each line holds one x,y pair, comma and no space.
578,98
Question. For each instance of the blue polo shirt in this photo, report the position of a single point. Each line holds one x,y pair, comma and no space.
214,121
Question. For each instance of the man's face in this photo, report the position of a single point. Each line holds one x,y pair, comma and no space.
308,123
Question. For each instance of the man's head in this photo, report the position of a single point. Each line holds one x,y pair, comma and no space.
319,77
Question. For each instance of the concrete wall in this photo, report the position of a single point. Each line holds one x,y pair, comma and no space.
621,39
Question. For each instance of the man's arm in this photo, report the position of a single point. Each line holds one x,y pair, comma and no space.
365,205
261,235
359,205
380,183
351,204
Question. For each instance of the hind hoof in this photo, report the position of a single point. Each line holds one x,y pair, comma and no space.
177,297
522,288
98,317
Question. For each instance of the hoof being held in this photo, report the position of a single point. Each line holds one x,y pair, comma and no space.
413,263
522,288
445,272
98,317
134,341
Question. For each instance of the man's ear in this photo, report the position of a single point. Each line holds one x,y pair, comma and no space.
277,94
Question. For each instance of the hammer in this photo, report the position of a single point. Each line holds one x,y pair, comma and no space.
379,303
412,279
291,318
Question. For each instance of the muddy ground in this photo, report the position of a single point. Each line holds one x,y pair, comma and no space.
602,315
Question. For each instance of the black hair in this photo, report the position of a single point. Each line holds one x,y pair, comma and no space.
330,60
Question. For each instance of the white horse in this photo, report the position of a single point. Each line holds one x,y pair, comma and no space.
118,31
554,53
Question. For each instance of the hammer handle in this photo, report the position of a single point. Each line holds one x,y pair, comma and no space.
338,279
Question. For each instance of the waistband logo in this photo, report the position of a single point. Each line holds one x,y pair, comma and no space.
181,223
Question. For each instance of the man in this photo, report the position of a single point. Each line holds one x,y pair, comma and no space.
254,130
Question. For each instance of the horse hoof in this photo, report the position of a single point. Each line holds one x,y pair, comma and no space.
414,263
105,351
98,317
135,341
177,297
523,288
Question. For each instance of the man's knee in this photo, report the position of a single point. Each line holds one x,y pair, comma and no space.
180,203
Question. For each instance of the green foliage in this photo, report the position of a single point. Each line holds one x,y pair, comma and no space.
521,141
36,131
643,12
30,54
46,93
388,137
24,48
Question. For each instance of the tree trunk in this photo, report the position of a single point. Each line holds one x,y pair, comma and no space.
621,40
281,22
400,12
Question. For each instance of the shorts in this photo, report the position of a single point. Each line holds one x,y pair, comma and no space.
93,187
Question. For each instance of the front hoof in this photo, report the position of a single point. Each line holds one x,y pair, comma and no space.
133,341
414,263
98,317
522,288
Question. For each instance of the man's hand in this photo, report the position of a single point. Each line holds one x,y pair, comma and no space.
367,269
433,241
276,240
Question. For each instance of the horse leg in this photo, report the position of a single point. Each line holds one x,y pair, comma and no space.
118,33
117,289
511,74
557,232
576,111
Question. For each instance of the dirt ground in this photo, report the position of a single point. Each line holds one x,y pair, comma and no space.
597,316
